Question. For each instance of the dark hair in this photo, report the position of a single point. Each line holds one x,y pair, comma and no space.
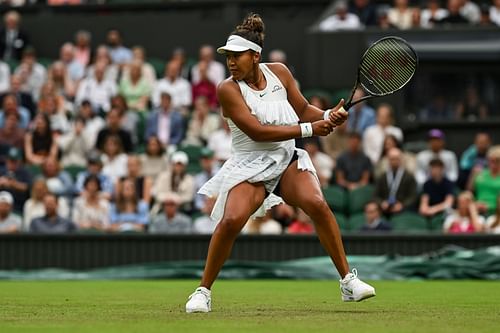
157,140
354,135
373,202
436,162
252,28
93,178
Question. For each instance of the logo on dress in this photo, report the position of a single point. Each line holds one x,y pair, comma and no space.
276,88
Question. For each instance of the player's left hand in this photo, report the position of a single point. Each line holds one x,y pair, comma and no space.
338,115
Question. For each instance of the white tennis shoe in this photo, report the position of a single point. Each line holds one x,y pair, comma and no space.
199,301
353,289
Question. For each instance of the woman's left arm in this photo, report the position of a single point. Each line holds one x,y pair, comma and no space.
305,111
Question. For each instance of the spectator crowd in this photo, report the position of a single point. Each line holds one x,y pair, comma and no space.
99,140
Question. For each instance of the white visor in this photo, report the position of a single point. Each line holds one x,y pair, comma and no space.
237,43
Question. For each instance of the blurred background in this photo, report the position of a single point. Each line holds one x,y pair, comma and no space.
110,123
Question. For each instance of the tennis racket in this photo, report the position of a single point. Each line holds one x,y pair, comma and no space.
386,67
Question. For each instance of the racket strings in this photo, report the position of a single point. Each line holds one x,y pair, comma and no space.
387,66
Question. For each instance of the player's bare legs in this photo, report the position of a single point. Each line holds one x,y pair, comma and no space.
242,201
301,189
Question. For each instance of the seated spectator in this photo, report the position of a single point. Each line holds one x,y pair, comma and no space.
302,224
216,70
10,106
82,50
353,166
341,19
322,162
154,160
373,219
114,120
361,115
471,11
204,224
51,222
495,12
220,142
179,55
91,209
175,179
409,159
432,13
24,99
205,88
74,145
53,93
170,220
208,170
111,70
58,181
9,223
114,159
264,225
13,47
202,123
165,123
128,213
94,168
336,142
454,16
34,206
143,184
120,54
465,219
471,107
11,133
474,158
130,118
401,15
59,122
436,150
486,183
40,143
64,84
485,19
172,83
437,194
396,190
74,69
147,70
15,179
136,88
97,89
4,77
492,224
365,10
31,73
373,137
93,123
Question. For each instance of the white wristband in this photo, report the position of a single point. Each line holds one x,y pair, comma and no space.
326,114
306,130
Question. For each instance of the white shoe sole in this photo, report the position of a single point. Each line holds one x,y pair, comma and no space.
200,310
360,298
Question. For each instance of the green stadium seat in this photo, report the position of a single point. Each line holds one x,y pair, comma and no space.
336,198
436,223
339,94
158,65
74,170
409,222
13,63
317,92
194,154
356,221
45,62
358,198
34,170
342,221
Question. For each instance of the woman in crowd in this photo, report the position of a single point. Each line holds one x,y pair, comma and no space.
39,143
153,160
128,213
91,209
465,219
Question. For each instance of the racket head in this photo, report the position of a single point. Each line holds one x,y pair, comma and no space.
387,66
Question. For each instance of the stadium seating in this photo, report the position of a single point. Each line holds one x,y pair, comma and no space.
356,221
336,198
358,198
342,221
409,222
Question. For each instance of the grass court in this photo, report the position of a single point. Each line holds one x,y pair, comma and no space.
248,306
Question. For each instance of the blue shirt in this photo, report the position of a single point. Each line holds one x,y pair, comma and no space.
120,55
360,120
140,216
106,184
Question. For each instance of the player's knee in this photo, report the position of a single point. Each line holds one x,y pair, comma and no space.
315,204
231,224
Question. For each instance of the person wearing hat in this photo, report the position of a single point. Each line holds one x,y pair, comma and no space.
436,150
9,223
266,112
170,220
175,179
94,167
15,178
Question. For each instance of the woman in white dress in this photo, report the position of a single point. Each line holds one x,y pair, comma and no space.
263,107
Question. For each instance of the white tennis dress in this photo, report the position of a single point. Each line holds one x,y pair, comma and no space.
258,161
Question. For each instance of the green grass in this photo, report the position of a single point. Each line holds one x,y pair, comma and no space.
248,306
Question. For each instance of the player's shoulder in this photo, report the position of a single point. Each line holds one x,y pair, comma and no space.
227,85
278,67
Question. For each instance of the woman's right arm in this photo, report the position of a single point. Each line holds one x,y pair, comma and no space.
234,107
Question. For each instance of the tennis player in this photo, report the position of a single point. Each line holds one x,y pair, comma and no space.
266,112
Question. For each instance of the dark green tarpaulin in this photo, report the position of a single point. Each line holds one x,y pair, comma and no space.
449,263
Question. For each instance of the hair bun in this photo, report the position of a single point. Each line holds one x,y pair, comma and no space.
253,22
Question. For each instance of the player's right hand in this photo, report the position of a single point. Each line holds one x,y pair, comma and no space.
322,127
